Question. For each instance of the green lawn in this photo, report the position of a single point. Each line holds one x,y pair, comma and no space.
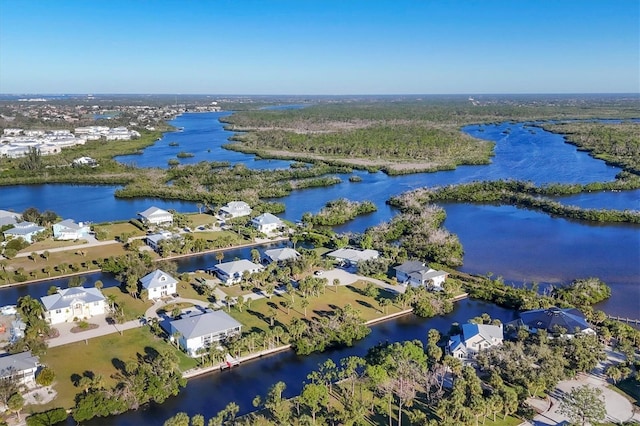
115,229
631,388
198,219
133,308
100,356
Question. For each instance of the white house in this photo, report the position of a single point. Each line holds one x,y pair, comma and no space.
231,272
158,284
155,216
474,338
199,331
280,255
73,304
69,230
417,274
353,256
234,209
154,240
25,230
9,218
267,223
20,367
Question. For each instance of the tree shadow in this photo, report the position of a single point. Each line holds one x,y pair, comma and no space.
355,290
118,364
365,304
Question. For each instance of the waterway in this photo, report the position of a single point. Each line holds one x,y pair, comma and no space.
519,245
210,393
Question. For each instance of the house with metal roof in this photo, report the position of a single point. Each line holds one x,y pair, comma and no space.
473,339
9,218
234,209
19,367
25,230
267,223
155,216
232,272
415,273
159,284
68,229
565,322
201,330
280,255
72,304
353,256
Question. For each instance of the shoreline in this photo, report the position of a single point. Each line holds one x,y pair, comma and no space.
199,371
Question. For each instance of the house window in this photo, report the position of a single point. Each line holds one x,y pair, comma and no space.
58,311
164,287
96,303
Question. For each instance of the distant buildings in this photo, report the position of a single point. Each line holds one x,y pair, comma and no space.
267,223
156,216
280,256
25,230
555,320
473,339
353,256
201,330
234,209
69,230
232,272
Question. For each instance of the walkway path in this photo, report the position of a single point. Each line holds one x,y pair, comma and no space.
104,328
347,278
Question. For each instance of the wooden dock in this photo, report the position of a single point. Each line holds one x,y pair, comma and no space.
625,320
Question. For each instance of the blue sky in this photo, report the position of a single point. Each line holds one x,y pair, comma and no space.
320,47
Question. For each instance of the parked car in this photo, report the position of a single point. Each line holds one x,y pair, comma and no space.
318,273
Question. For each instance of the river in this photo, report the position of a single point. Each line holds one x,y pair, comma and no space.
519,245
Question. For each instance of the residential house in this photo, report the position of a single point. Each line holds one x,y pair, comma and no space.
69,230
473,339
20,367
353,256
159,284
281,255
554,320
267,223
154,240
9,218
25,230
155,216
232,272
201,330
418,274
72,304
234,209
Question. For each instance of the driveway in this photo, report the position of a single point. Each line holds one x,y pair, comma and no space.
104,328
347,278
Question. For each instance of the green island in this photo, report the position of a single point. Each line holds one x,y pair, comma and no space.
340,211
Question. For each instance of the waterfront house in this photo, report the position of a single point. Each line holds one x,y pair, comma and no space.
154,240
351,256
69,230
418,274
280,256
267,223
565,322
20,367
9,218
234,209
159,284
201,330
25,230
231,272
473,339
72,304
156,216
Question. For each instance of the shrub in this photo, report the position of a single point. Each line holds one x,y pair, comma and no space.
45,377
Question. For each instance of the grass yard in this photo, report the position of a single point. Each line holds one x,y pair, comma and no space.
50,243
198,219
100,356
220,239
256,317
133,308
114,229
631,388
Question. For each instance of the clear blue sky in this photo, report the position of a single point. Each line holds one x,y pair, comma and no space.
320,46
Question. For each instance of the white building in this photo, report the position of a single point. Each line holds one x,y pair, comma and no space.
474,338
418,274
231,272
156,216
9,218
72,304
69,230
280,255
21,367
267,223
235,209
199,331
25,230
159,284
353,256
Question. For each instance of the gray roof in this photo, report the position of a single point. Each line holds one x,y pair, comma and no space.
266,219
237,266
427,274
154,211
24,228
156,238
157,278
549,319
285,253
70,224
65,297
354,255
486,331
207,323
411,266
12,364
236,206
8,218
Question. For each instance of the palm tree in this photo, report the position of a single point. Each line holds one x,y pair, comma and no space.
219,256
305,304
227,300
384,304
